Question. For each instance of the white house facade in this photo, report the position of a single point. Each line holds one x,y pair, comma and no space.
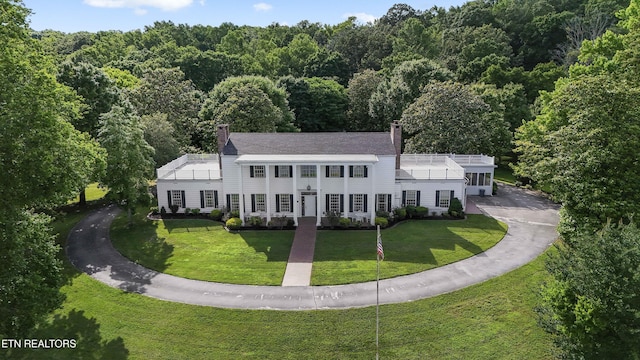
294,175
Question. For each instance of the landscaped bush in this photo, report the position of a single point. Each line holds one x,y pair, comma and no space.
187,211
421,212
154,210
494,188
174,208
382,221
344,222
234,214
400,213
216,214
455,208
195,211
382,214
234,223
411,211
333,218
255,221
163,211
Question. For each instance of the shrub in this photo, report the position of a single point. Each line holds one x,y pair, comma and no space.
174,208
216,215
383,214
163,211
255,221
495,188
195,211
234,214
187,211
422,212
234,223
400,213
344,222
411,211
455,208
154,210
382,221
333,218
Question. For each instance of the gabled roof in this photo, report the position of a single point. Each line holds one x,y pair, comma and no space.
375,143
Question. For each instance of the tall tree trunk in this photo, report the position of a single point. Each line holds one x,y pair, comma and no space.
83,198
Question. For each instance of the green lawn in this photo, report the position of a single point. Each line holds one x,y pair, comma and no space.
203,250
93,192
349,256
492,320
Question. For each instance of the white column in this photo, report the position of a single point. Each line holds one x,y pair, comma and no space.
241,195
346,190
372,194
295,194
267,200
318,213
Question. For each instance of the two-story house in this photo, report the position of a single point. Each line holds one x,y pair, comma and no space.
297,175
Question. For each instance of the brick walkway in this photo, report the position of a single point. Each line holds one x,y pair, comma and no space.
298,272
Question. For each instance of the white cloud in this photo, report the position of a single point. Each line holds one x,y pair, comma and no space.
167,5
362,17
262,7
140,11
202,2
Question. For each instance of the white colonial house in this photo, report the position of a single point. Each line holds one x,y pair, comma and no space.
311,174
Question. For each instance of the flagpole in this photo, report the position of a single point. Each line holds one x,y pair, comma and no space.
378,241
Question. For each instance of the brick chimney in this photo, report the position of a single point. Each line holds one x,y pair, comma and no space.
223,137
396,139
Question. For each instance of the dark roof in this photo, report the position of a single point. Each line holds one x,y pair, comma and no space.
376,143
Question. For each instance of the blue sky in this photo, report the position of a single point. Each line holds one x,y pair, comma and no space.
95,15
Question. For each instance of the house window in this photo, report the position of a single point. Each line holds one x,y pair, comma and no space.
358,203
410,198
308,171
283,171
176,198
258,203
484,179
358,171
234,202
334,171
473,179
283,202
210,198
443,198
256,171
383,202
334,203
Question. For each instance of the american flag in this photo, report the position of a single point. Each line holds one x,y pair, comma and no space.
380,250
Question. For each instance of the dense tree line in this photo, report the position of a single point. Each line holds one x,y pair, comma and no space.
346,76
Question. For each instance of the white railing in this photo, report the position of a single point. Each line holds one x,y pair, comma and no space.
174,170
437,174
472,159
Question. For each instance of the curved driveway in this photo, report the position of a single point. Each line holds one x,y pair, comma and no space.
531,219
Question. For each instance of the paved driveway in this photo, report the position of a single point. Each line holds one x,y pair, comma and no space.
531,219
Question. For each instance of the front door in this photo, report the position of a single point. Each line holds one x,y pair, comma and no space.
309,205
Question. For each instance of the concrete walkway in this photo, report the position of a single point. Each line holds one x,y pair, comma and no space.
531,219
298,272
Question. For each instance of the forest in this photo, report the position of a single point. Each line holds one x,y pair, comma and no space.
552,85
487,59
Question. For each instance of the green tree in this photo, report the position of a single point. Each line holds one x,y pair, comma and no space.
592,306
577,147
277,95
43,162
166,91
160,134
450,118
319,104
31,272
361,87
394,95
129,157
